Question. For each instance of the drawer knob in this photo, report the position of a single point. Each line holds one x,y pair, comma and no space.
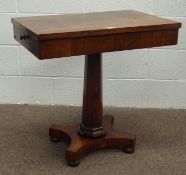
24,37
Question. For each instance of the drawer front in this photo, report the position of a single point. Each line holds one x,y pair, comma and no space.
27,39
108,43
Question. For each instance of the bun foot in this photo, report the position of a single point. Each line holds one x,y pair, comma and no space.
129,150
54,139
73,163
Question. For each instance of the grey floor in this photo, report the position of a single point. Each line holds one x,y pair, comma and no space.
26,150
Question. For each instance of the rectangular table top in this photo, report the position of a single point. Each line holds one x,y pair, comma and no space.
54,36
90,24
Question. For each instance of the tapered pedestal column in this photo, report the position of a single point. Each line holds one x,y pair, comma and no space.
93,133
92,114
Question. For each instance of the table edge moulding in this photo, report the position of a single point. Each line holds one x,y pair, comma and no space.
91,34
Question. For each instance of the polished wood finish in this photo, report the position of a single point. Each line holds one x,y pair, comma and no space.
81,34
91,125
80,146
91,34
90,45
93,24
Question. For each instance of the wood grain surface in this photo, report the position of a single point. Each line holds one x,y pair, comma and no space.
91,24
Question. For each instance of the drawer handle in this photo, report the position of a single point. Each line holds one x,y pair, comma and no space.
24,37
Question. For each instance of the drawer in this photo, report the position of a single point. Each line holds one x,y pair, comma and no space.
26,38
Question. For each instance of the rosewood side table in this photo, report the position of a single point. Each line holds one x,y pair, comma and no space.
91,34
